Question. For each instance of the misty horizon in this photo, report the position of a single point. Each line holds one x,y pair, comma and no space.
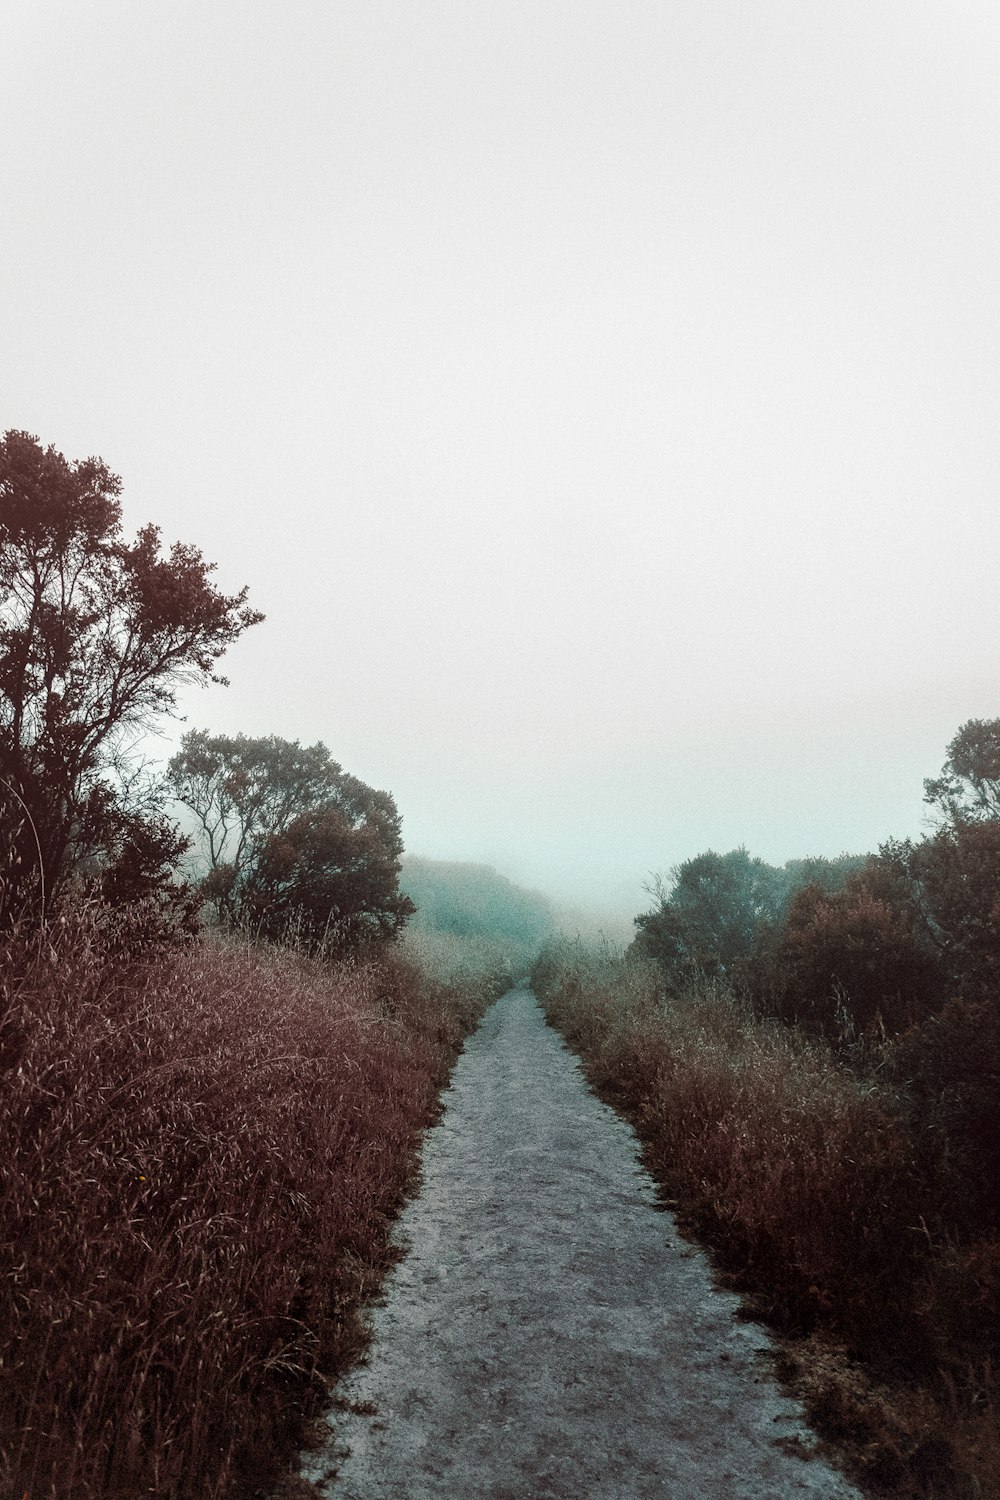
598,401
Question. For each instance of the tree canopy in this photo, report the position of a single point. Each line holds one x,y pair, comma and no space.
718,908
968,788
708,918
848,960
292,841
855,945
332,879
96,636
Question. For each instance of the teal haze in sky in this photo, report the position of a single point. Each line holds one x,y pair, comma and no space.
600,399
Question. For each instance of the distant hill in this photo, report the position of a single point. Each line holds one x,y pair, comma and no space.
470,900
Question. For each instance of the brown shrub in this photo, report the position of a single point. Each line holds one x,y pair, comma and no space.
202,1155
812,1186
848,962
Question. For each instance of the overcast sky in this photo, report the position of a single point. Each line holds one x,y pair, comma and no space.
600,399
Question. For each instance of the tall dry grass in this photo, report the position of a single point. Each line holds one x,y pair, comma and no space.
466,961
201,1158
804,1176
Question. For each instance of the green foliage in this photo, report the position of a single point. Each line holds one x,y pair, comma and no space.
968,788
474,901
719,907
829,874
707,920
295,845
96,635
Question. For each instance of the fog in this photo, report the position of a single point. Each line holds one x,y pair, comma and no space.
599,399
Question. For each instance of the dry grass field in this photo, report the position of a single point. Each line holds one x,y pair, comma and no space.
203,1151
808,1178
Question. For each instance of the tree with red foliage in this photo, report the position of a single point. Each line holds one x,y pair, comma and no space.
331,877
96,636
844,962
294,843
243,791
959,873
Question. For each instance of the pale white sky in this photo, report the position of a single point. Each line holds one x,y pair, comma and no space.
601,399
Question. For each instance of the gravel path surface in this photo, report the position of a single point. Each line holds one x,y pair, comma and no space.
549,1333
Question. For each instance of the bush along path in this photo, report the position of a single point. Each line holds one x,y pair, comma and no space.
549,1333
202,1156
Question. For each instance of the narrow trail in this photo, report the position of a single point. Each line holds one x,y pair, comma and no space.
549,1333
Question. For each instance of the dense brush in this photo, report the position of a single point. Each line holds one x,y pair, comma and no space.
808,1178
201,1155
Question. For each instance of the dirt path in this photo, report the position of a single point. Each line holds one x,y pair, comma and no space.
549,1333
